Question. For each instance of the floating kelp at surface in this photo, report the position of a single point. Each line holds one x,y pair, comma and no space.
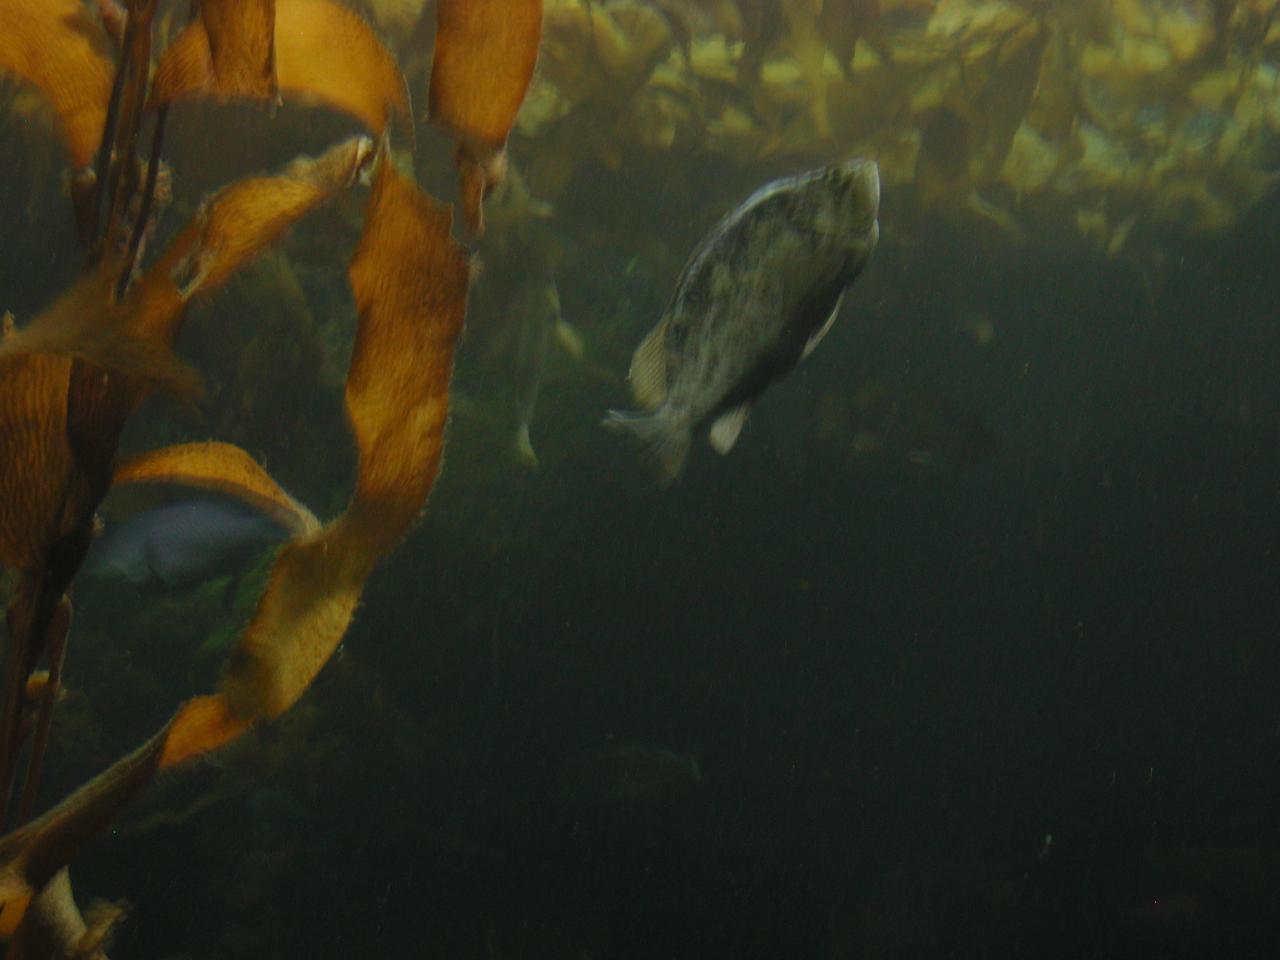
1169,109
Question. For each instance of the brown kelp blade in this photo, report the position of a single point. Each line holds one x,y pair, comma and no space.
59,48
86,322
410,282
322,51
133,336
35,456
31,855
484,57
227,52
329,53
224,468
54,927
233,226
201,725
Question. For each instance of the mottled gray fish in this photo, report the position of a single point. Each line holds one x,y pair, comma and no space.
756,296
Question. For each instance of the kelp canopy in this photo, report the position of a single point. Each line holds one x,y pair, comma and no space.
71,376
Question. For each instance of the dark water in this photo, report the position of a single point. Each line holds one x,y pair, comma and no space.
1004,687
1015,704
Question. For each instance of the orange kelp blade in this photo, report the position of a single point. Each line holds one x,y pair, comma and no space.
87,322
54,927
58,47
133,336
36,461
224,468
326,52
31,855
232,227
227,52
410,282
484,58
323,51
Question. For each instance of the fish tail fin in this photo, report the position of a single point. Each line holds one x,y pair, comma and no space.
664,439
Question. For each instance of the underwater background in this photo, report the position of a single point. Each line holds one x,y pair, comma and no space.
967,649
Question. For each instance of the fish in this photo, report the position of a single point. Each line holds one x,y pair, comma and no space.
540,324
757,295
179,545
637,774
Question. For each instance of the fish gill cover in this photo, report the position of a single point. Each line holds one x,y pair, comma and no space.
71,377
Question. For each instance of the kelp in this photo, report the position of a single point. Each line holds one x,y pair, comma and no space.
70,378
57,47
55,926
68,465
323,52
223,468
484,58
410,281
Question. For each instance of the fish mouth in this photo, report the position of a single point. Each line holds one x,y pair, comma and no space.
863,174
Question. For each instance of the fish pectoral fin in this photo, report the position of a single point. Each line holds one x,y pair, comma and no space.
648,374
725,430
816,338
525,453
569,338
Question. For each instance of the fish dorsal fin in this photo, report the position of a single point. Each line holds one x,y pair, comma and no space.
725,430
816,338
648,374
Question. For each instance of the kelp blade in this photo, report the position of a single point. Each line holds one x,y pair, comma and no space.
221,467
485,53
484,58
86,322
410,282
37,458
322,51
31,855
327,52
233,226
227,52
61,50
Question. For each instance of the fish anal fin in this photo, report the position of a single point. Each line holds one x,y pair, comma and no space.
725,429
648,374
816,337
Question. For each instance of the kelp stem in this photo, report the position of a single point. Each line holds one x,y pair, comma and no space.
18,619
120,177
59,630
148,197
102,164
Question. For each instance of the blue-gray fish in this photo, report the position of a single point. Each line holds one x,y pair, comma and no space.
179,545
757,295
